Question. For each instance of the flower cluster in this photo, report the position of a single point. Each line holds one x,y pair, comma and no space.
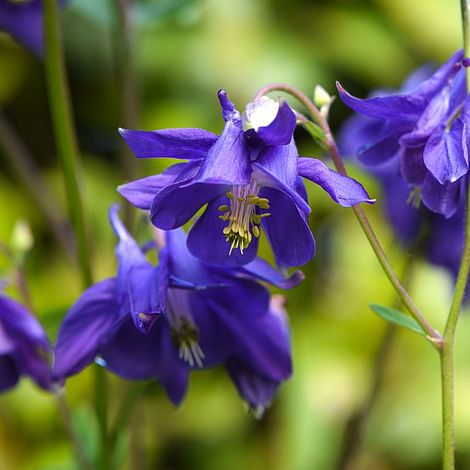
165,321
250,177
384,158
426,126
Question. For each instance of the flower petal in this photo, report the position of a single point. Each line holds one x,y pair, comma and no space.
441,198
90,321
228,161
342,189
445,154
140,193
262,270
174,205
278,132
412,165
207,242
287,230
135,356
186,144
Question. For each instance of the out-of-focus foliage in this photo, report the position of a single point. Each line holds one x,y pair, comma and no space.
184,51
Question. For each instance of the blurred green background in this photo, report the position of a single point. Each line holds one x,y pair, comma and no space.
182,52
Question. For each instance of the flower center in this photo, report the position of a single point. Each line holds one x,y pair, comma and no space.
184,333
242,217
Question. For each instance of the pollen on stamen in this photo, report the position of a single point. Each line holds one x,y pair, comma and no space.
243,220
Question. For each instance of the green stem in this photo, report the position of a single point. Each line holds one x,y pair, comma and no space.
63,126
447,352
332,149
59,101
101,409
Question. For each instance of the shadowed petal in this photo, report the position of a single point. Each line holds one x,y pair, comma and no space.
287,230
186,144
262,270
135,356
90,321
441,198
174,205
9,373
412,165
342,189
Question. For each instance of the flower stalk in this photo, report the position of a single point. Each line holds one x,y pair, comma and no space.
61,114
447,352
332,148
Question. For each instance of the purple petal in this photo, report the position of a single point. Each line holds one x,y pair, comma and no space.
342,189
24,21
174,205
391,107
278,132
441,198
262,270
266,179
90,321
135,356
140,193
255,389
281,162
380,151
228,161
445,154
229,112
207,242
186,144
287,230
412,165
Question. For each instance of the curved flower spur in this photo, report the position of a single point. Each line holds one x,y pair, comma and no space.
187,316
250,177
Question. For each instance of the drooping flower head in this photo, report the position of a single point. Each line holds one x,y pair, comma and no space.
200,316
24,347
250,177
428,126
439,238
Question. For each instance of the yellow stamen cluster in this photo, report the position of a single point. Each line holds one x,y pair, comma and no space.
243,221
185,337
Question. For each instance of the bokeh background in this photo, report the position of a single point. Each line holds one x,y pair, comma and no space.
166,74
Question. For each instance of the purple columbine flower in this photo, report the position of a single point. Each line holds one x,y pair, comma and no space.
207,316
428,126
438,238
250,177
24,347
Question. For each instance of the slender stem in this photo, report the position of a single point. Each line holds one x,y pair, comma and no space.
62,121
447,352
28,171
332,148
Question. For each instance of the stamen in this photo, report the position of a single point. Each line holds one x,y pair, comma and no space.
415,197
185,337
242,217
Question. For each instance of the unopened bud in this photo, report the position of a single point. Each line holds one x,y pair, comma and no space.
21,238
321,97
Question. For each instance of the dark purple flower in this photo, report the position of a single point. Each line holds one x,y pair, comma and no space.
439,238
193,316
250,177
24,347
23,19
428,126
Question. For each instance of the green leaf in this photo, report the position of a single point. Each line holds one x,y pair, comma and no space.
316,132
399,318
